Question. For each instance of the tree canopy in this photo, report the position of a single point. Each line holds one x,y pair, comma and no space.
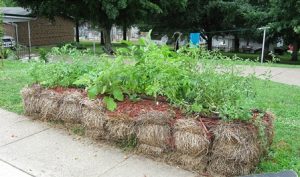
205,16
286,22
103,13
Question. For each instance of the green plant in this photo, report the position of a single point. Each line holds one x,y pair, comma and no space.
282,99
194,80
43,55
5,53
78,130
129,143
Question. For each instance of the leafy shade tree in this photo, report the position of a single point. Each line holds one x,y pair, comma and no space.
286,22
248,16
124,13
203,16
103,13
8,3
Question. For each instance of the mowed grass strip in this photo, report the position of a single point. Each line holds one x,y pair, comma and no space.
283,100
13,76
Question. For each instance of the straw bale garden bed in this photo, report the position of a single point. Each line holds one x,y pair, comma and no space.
192,108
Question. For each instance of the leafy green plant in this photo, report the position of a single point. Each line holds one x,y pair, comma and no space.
195,80
43,55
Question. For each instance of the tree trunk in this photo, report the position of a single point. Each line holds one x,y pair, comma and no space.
124,32
77,31
107,40
102,38
295,52
236,43
209,42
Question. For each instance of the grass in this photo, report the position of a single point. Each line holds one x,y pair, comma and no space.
85,44
98,47
13,76
283,100
285,60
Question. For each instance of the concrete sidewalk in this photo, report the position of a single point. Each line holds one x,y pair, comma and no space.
30,148
290,76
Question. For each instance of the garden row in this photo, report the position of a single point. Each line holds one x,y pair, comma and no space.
157,129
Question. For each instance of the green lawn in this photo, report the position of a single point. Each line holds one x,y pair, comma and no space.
13,76
283,100
84,44
285,60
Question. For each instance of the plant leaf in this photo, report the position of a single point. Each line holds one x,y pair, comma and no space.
92,92
118,95
196,107
111,105
104,89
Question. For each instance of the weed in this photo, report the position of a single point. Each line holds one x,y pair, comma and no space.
78,129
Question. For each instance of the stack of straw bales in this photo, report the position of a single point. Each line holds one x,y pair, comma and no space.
191,144
154,132
230,149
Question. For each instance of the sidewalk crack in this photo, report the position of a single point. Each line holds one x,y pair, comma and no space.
17,168
24,138
115,166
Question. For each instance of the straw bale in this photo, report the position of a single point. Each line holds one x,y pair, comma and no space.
96,134
93,118
153,128
269,128
31,100
92,114
190,138
155,135
150,150
236,149
120,128
155,117
229,167
70,109
195,163
50,102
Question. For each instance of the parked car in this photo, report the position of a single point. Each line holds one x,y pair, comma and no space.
8,42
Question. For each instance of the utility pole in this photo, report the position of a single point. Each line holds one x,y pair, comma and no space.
264,41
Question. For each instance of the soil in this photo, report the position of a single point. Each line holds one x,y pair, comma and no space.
133,109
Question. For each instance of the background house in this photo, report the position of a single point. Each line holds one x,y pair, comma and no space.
226,43
36,31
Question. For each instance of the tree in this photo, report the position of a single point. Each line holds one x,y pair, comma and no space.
8,3
104,13
203,16
286,22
